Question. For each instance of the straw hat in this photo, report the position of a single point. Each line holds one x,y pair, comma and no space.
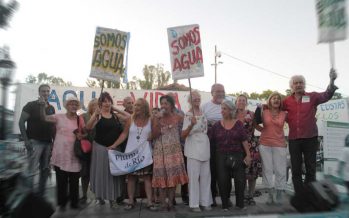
69,99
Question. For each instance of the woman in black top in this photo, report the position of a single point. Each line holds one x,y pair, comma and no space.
108,129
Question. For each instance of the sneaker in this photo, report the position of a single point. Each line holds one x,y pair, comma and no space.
225,209
195,209
99,202
113,204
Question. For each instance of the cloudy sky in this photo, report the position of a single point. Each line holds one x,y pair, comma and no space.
56,37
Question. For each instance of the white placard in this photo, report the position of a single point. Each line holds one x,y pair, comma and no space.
185,51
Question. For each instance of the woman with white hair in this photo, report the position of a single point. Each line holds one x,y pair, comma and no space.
272,147
197,151
66,164
229,138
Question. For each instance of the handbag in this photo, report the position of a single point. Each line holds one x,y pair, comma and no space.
82,147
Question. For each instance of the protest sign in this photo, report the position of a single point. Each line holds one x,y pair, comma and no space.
332,20
185,51
125,163
108,54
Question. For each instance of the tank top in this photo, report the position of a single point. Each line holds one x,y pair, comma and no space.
138,136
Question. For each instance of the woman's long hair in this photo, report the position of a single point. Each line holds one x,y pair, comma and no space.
145,109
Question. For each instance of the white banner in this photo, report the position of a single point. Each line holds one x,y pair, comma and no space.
185,51
125,163
108,54
332,20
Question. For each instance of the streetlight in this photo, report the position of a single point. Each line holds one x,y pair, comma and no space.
217,54
6,70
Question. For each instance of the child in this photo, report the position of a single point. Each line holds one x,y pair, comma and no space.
343,165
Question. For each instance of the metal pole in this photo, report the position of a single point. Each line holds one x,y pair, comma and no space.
4,83
215,64
332,54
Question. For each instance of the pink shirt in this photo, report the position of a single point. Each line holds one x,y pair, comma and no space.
273,129
301,114
63,147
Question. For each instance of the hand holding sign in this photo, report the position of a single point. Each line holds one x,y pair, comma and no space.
333,74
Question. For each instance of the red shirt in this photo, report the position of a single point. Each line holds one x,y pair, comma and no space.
301,114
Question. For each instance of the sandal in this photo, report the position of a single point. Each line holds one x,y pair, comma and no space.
257,194
251,201
151,207
129,206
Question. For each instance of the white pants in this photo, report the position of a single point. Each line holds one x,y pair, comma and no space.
274,160
199,183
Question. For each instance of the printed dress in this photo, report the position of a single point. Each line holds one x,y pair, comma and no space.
168,166
255,169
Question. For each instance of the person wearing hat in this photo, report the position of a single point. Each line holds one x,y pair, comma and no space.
66,164
38,137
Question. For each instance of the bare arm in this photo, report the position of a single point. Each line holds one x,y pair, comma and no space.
186,132
122,136
44,116
155,129
123,115
333,77
93,119
247,151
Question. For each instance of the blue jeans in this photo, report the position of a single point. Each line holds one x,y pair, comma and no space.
39,158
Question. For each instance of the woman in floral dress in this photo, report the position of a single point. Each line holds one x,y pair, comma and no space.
255,169
168,167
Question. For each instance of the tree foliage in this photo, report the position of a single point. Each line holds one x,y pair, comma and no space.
154,77
44,78
6,12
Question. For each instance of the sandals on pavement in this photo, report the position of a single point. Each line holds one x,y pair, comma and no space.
151,207
129,207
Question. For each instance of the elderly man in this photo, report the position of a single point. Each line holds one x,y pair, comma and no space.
301,107
128,105
38,136
212,111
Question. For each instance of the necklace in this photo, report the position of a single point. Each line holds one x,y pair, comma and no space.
139,133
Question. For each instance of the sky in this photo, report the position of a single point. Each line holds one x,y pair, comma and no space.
56,37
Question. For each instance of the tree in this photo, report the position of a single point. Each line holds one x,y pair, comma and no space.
94,83
265,94
254,95
44,78
154,77
6,12
236,94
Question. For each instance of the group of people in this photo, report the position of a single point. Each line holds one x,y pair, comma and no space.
205,147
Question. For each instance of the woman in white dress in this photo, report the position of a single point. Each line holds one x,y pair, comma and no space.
197,151
140,129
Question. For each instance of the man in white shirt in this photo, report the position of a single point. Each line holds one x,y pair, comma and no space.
212,111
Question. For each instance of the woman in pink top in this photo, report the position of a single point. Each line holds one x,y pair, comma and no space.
66,164
272,147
